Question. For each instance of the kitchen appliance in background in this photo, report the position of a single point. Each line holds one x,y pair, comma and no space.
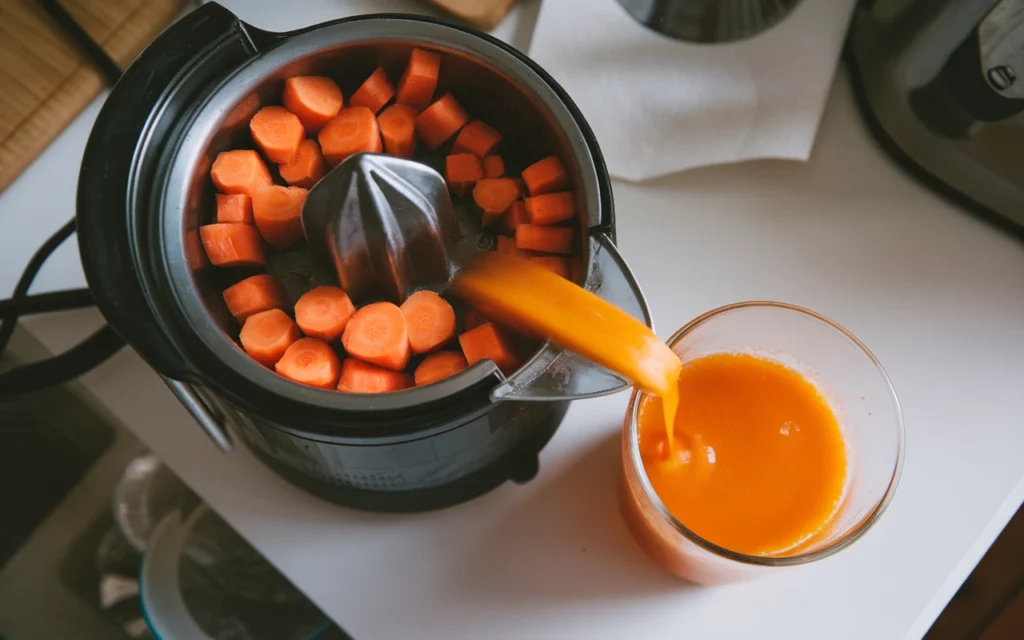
941,85
144,189
708,21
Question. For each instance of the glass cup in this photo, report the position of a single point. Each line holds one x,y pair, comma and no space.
858,391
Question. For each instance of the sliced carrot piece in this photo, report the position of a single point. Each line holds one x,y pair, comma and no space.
440,121
438,366
546,239
398,130
506,245
545,176
494,166
306,168
240,171
277,212
515,216
477,138
234,207
314,99
429,319
375,92
266,336
377,334
352,131
232,245
475,318
554,264
362,377
417,84
461,171
253,295
323,312
277,132
551,208
312,362
494,196
487,341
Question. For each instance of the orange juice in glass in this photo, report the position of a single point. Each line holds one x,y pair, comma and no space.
788,444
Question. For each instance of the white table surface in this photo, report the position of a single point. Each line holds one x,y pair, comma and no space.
936,294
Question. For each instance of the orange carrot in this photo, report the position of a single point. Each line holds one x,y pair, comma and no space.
306,168
551,208
487,341
506,245
477,138
429,319
475,318
234,207
194,252
439,366
494,196
545,176
240,171
417,84
232,245
362,377
375,92
323,312
314,99
277,132
352,131
515,216
266,335
546,239
312,362
377,334
462,170
494,166
440,121
277,212
253,295
554,264
398,129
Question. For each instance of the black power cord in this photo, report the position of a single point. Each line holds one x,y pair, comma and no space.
105,342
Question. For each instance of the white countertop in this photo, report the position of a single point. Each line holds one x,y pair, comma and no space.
936,294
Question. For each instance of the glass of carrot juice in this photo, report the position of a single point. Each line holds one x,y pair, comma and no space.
786,448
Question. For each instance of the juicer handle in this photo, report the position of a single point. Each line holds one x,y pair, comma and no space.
557,374
202,46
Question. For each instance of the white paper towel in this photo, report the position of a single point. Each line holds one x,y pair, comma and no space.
658,105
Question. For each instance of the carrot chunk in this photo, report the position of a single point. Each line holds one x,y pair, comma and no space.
253,295
440,121
240,171
398,130
429,319
352,131
277,212
461,171
314,99
306,168
438,366
477,138
506,245
554,264
362,377
323,312
310,361
545,176
515,216
377,334
417,84
234,207
487,341
277,132
546,239
375,92
232,245
494,166
266,336
494,196
551,208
